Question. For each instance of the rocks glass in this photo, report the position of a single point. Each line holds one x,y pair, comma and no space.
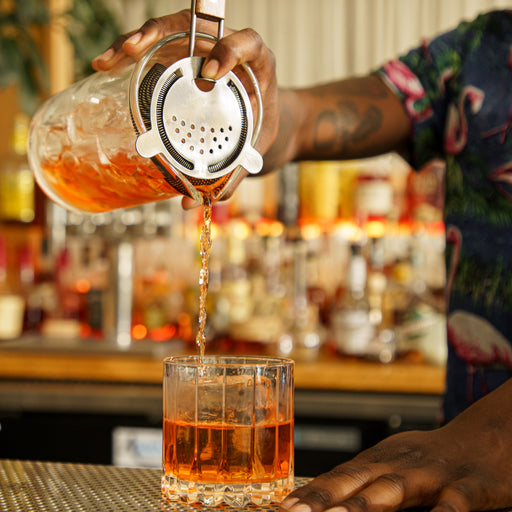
228,429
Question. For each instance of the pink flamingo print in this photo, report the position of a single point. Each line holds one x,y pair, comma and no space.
473,337
407,82
456,133
501,130
502,176
445,76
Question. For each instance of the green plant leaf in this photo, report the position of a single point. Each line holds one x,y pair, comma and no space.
20,60
31,12
91,27
11,62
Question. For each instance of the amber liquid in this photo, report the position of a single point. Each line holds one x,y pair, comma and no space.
213,453
205,246
91,186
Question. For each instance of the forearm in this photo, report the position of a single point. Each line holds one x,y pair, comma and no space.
352,118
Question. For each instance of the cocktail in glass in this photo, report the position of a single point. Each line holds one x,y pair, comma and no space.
228,429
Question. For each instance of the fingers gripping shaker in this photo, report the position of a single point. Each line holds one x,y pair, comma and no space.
149,130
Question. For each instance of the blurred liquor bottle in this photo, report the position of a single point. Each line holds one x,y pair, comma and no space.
322,188
17,187
235,291
316,290
303,335
377,281
247,315
12,305
350,320
28,290
373,196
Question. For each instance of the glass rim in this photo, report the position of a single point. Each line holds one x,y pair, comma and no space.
228,360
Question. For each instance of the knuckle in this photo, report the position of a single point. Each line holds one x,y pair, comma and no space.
357,503
185,13
253,36
446,506
395,482
226,50
244,42
394,479
222,50
359,474
259,46
408,453
151,22
118,43
317,495
464,490
185,18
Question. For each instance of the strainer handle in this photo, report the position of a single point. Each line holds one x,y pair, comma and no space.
214,10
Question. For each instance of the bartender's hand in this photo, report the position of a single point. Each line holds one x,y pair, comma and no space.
465,465
235,48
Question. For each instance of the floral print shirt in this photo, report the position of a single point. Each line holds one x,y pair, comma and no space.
457,90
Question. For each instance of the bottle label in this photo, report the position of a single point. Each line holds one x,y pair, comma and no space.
375,197
353,332
12,308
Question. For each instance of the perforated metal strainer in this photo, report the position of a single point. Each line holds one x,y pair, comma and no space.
195,130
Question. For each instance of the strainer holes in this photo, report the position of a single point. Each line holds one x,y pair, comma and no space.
201,151
214,139
226,138
220,146
201,140
174,118
192,126
191,148
230,128
211,151
212,130
183,141
202,128
177,130
182,123
189,135
222,130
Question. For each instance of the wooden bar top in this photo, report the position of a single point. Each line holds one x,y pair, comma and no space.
85,360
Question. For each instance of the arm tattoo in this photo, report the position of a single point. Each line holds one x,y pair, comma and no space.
325,133
335,130
370,123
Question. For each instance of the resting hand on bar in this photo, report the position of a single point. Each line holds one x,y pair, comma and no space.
462,466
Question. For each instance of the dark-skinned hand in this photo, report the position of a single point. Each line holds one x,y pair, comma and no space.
465,465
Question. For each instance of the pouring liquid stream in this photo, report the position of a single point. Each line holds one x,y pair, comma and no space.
205,246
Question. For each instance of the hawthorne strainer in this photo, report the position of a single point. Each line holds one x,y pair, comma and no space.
195,130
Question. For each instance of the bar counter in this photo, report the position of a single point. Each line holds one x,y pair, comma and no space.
93,361
84,376
27,486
